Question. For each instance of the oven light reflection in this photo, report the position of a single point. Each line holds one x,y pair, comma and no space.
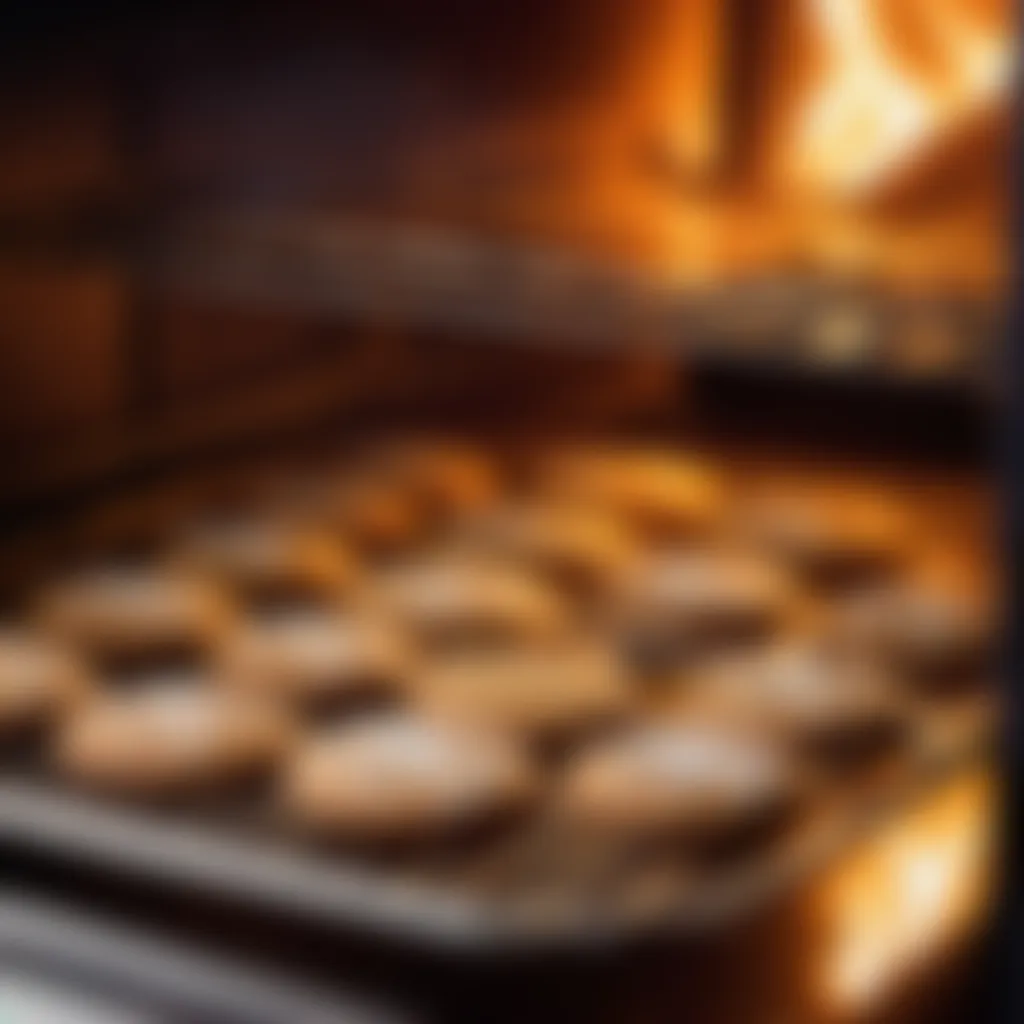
909,896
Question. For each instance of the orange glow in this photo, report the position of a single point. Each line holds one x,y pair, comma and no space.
873,113
914,890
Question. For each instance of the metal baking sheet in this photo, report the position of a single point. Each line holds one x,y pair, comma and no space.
59,963
223,856
222,861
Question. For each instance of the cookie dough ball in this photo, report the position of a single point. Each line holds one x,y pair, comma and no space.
117,616
932,637
700,783
39,683
583,551
683,604
837,711
400,778
169,742
663,497
543,694
318,659
833,538
267,559
465,602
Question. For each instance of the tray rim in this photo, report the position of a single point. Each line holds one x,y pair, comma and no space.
40,817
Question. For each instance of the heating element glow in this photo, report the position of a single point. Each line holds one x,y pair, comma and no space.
872,114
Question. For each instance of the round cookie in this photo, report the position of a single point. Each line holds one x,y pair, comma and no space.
543,694
583,551
698,782
835,710
930,636
169,742
117,615
401,778
361,508
469,602
662,496
445,479
318,659
272,558
682,604
378,517
831,538
39,683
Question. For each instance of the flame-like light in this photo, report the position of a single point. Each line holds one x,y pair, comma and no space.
872,114
908,895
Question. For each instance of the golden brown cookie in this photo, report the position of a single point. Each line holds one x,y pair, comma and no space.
930,636
459,601
543,694
169,741
663,496
833,537
698,782
39,683
125,615
445,479
401,778
836,710
686,603
271,558
583,551
379,517
318,659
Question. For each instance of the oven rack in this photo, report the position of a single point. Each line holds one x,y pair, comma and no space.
487,289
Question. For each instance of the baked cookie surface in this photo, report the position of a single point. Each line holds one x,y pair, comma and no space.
268,558
169,741
583,551
468,601
318,658
835,709
546,693
662,496
112,614
39,682
831,537
402,778
691,780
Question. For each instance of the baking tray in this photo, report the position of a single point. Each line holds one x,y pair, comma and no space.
230,853
59,962
227,855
